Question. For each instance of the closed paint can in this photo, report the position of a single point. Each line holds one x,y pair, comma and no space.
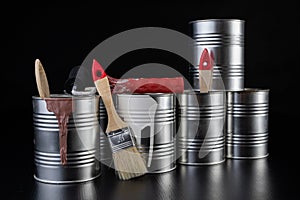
201,118
105,149
224,39
152,119
247,123
82,141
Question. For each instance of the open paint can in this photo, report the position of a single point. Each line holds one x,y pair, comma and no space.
66,138
151,118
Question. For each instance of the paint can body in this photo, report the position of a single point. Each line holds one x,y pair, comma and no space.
247,124
201,118
224,39
152,120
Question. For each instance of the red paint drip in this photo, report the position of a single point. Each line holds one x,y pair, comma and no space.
62,108
147,85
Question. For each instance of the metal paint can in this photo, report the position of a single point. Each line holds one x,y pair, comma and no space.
105,150
82,141
224,38
152,119
201,118
45,191
247,123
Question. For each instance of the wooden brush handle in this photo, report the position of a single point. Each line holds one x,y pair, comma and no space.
114,121
41,80
205,80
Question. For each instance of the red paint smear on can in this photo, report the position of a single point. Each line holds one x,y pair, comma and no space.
62,108
139,85
147,85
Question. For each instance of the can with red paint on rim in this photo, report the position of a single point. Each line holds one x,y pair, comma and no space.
82,141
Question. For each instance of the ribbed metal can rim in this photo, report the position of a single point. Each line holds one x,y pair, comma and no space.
217,20
250,90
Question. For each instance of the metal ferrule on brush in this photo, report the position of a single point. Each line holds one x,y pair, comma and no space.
120,139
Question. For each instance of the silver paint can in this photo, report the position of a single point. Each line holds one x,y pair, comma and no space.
247,123
82,141
105,149
152,118
201,118
224,39
45,191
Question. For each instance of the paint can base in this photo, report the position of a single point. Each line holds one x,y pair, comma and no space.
65,182
202,164
247,158
162,171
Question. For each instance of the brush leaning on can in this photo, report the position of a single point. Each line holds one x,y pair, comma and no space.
128,162
62,108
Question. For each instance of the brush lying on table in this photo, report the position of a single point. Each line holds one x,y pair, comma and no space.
128,162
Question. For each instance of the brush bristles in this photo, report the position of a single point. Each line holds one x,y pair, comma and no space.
129,163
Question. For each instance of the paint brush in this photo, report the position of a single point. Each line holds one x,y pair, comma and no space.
205,71
62,108
128,162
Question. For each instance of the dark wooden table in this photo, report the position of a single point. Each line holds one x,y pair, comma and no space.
271,178
265,179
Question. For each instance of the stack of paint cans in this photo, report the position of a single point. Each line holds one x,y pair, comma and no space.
238,126
230,121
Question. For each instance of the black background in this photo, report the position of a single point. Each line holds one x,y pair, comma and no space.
61,37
